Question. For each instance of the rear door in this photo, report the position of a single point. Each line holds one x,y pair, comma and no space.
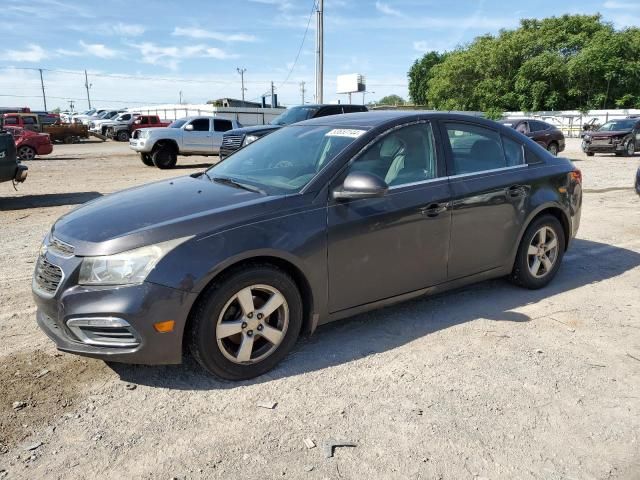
383,247
220,125
490,189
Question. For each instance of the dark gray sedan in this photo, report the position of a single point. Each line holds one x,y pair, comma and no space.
316,222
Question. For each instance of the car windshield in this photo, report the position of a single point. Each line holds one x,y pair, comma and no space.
178,123
286,160
294,115
616,125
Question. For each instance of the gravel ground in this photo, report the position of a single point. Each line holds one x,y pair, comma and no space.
490,381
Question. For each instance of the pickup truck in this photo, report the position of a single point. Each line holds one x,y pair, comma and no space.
124,132
123,119
66,133
199,135
10,166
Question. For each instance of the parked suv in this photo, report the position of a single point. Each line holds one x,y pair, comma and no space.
10,166
238,138
546,135
187,136
621,137
123,132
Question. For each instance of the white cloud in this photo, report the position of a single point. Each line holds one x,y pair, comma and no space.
33,53
387,10
98,50
171,56
128,29
208,34
615,5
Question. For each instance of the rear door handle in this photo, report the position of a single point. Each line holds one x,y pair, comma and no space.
515,191
434,209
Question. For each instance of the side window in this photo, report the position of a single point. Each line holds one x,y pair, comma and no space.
523,127
332,110
11,121
200,125
154,120
29,120
222,125
403,156
538,126
126,117
474,148
513,151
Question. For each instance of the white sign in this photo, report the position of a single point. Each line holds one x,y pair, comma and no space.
351,83
345,132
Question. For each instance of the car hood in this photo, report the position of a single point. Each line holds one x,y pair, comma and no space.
613,133
255,129
157,212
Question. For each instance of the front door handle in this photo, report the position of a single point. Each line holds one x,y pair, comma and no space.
515,191
434,209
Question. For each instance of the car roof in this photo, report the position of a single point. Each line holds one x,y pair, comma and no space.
378,118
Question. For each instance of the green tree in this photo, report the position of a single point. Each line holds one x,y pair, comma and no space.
568,62
391,100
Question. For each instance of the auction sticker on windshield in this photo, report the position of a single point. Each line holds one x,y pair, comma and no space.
345,132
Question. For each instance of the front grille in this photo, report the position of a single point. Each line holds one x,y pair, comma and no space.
61,248
232,142
47,277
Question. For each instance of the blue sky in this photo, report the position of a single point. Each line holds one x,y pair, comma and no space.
147,52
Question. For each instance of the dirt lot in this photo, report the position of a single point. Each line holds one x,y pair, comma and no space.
491,381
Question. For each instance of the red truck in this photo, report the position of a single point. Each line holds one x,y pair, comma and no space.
124,132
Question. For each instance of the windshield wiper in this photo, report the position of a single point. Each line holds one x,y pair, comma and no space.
236,184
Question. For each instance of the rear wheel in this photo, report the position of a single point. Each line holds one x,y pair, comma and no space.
26,153
539,254
553,149
67,140
146,159
246,323
165,157
122,136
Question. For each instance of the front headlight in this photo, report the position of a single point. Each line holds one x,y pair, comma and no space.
144,133
126,268
249,139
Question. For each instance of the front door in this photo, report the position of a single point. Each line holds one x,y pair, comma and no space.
490,190
200,139
382,247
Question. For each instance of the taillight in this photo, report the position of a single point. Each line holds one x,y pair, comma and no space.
576,176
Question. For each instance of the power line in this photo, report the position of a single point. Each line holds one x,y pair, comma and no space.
304,37
82,99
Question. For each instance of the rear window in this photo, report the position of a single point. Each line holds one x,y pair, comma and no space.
474,148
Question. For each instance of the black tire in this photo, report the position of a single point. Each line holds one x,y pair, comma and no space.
553,149
146,159
165,158
68,140
521,274
202,338
589,154
629,148
26,153
122,136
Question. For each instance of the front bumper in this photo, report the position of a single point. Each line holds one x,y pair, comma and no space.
141,145
589,147
139,306
21,173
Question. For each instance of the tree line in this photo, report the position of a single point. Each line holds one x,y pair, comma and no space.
572,62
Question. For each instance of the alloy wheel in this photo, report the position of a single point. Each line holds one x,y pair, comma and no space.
252,324
553,149
26,153
543,252
631,148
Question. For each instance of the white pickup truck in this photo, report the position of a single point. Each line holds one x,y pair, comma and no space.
200,135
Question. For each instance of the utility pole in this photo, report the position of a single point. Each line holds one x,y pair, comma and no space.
319,51
241,72
302,92
87,86
274,102
44,96
180,97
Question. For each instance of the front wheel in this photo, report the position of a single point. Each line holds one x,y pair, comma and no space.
630,148
146,159
26,153
246,322
589,154
539,254
553,149
164,158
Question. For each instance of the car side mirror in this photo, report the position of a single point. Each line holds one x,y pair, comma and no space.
189,128
361,185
